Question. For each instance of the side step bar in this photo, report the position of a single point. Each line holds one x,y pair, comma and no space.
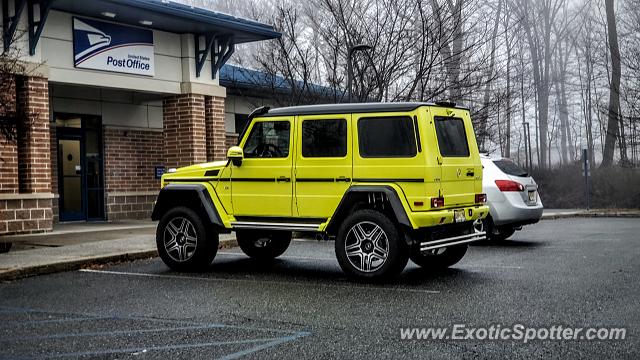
241,225
455,240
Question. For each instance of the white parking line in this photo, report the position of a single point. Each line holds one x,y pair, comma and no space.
333,259
265,282
281,257
490,266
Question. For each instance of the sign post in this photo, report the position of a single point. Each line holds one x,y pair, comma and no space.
586,172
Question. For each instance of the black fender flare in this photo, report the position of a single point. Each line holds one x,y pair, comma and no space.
171,195
352,195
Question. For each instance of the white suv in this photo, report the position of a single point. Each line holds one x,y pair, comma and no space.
512,196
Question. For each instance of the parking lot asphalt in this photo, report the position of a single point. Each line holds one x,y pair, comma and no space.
570,272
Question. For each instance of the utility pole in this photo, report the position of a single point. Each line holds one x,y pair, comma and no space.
526,149
586,172
527,144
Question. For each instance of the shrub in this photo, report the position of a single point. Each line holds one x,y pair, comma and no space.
614,187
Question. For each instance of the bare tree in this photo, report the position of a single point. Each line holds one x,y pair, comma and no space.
13,118
482,133
614,88
538,24
563,51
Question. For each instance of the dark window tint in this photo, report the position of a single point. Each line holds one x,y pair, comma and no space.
510,168
386,137
324,138
268,139
241,121
452,138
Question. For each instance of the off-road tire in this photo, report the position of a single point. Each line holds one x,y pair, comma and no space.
497,233
175,236
439,258
364,237
263,245
504,233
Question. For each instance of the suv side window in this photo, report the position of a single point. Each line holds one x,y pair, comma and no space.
268,139
387,137
324,138
452,138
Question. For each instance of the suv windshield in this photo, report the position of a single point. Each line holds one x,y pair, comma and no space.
510,168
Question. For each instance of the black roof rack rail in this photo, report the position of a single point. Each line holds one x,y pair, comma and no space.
446,103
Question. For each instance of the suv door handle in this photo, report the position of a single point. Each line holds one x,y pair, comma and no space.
283,179
470,173
342,178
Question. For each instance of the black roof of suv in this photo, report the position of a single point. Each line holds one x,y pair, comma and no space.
354,108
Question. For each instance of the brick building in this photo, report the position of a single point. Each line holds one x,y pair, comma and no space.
119,90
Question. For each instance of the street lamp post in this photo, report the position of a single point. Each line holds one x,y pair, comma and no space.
353,49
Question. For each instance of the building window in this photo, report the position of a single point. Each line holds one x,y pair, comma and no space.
452,138
390,136
268,139
324,138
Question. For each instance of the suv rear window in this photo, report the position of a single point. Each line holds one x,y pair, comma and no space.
452,138
389,136
324,138
510,168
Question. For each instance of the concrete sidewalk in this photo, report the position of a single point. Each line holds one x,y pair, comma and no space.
550,214
72,246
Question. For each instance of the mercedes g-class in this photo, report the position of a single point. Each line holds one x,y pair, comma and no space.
388,181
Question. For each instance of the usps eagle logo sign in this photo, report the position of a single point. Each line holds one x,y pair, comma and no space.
100,45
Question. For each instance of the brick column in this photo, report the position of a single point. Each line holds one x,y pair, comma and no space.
231,139
214,122
29,209
34,164
8,166
184,130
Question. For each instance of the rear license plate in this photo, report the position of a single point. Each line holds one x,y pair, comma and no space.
458,216
532,196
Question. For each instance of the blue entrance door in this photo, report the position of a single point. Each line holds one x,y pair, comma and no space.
71,179
80,167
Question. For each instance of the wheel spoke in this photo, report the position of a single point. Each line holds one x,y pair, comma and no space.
184,225
191,240
352,247
380,252
359,233
366,262
171,246
173,230
180,253
375,234
354,250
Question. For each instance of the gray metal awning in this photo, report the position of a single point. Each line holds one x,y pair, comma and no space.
215,33
172,17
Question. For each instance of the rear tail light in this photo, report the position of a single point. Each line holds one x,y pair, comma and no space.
437,202
481,198
509,185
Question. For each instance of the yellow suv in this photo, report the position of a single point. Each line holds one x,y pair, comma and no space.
389,181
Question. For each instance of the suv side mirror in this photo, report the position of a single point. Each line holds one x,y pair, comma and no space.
235,154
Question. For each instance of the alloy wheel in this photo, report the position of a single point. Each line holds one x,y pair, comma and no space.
367,246
180,239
